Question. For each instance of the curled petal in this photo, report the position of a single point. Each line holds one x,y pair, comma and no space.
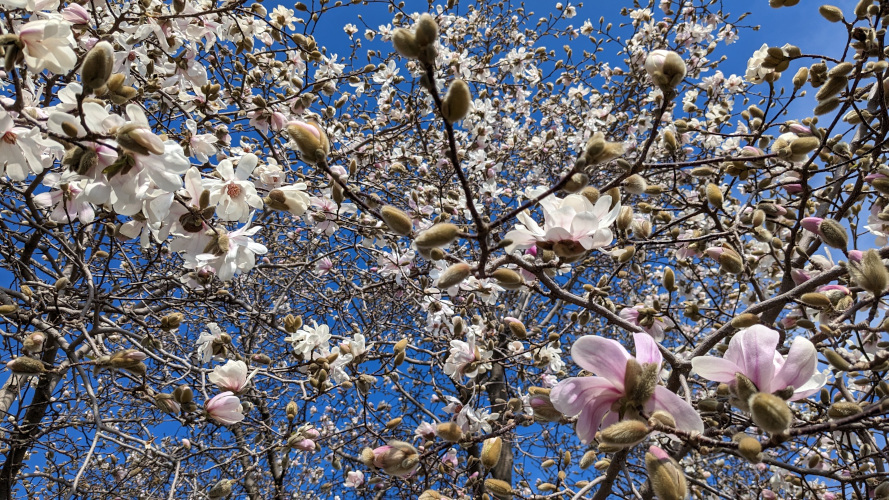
646,349
715,369
800,365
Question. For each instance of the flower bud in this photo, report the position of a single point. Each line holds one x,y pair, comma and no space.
635,184
590,193
508,279
541,405
666,477
745,320
404,43
516,328
751,449
398,221
292,323
500,488
172,321
666,69
729,260
623,434
139,139
816,300
838,362
831,13
310,139
24,365
670,280
291,410
770,413
588,458
396,458
576,182
714,195
871,273
439,235
261,359
183,394
663,418
221,489
426,30
127,358
842,409
454,275
491,452
456,102
97,65
166,403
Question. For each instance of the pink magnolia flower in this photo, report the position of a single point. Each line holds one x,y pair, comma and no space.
752,353
595,399
231,376
224,408
644,318
354,479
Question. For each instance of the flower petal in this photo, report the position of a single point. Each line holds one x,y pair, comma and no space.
684,414
590,419
799,367
753,350
646,349
603,357
573,395
715,369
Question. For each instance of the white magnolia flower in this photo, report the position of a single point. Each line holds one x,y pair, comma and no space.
201,145
17,149
239,253
66,200
235,193
48,44
207,339
467,359
309,338
232,376
572,225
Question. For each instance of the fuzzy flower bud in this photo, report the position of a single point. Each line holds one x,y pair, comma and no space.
729,260
310,139
499,488
831,13
667,478
221,489
426,30
870,273
832,233
456,102
439,235
508,279
449,431
770,413
454,275
396,458
398,221
623,434
139,139
404,43
26,366
97,65
842,409
750,448
491,452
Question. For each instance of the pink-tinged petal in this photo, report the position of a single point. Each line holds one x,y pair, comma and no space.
603,357
800,365
646,349
684,414
583,224
753,350
558,234
811,224
715,369
573,395
591,417
811,386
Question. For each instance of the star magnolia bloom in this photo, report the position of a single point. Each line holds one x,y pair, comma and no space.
596,399
48,44
752,353
653,325
235,194
231,376
224,408
241,254
572,224
17,149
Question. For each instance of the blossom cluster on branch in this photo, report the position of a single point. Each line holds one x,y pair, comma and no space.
238,264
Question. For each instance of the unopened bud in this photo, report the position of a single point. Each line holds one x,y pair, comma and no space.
831,13
439,235
842,409
398,221
491,452
745,320
623,434
751,449
449,431
291,410
97,65
426,30
666,477
508,279
454,275
669,280
310,139
456,102
500,488
404,43
26,366
714,195
666,69
770,413
635,184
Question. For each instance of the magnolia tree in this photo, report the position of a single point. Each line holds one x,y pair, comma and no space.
488,253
